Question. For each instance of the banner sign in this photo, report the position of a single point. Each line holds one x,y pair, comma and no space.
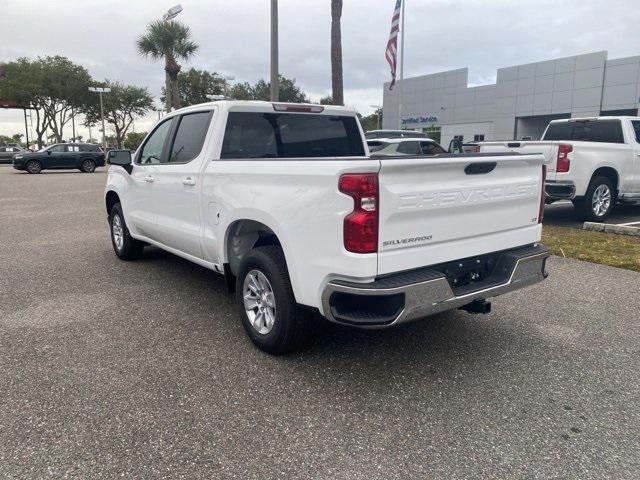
420,119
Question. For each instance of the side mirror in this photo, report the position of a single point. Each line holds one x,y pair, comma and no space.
121,158
48,152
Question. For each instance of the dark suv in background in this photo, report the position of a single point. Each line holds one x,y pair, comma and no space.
83,156
7,152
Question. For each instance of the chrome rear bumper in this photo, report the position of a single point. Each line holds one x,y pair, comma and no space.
559,190
415,294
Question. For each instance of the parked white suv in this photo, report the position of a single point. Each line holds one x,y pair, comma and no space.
284,200
404,146
593,162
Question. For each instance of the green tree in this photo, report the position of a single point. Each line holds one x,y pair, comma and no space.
66,85
169,40
53,86
121,105
326,100
372,121
195,85
336,53
289,91
241,91
133,140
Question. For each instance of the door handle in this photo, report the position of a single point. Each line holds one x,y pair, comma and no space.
148,179
189,181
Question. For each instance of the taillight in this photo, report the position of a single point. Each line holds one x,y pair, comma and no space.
541,211
361,225
563,163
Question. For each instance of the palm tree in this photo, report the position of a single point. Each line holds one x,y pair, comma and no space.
336,53
168,39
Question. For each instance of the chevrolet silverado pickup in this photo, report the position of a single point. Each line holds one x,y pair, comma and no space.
594,162
285,201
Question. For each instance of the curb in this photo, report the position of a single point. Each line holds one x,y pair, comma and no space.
609,228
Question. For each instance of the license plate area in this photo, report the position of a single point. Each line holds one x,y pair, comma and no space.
476,273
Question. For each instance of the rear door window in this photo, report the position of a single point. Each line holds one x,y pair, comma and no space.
291,135
409,148
190,137
431,148
636,129
375,145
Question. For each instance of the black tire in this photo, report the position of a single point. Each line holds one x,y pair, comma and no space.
33,166
88,166
587,208
128,248
290,329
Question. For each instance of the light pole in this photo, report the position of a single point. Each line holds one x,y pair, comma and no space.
100,91
275,88
378,108
227,79
172,12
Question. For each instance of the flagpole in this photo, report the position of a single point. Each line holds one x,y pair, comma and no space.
401,93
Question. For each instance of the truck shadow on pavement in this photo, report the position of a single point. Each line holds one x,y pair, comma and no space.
445,340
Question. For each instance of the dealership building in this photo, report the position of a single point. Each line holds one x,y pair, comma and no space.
521,102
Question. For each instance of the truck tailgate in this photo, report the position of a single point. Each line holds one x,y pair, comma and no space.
443,208
549,151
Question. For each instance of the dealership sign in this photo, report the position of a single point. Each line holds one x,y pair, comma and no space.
421,119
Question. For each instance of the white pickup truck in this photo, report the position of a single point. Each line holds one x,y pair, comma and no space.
285,201
594,162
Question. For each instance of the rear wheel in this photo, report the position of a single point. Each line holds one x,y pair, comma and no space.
88,166
268,309
125,246
34,166
598,201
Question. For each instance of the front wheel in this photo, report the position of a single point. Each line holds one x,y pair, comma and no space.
88,166
268,309
125,246
598,201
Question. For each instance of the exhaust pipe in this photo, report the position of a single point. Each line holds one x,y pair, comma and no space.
477,306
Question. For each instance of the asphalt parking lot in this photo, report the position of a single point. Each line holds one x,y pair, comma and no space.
562,214
142,370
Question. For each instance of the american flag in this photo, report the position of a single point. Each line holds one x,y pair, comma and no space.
391,53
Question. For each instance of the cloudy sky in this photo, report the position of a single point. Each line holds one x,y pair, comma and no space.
234,38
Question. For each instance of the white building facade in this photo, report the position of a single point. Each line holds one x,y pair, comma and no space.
521,102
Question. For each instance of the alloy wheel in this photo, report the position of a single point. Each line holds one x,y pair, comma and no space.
117,231
88,166
259,301
601,200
